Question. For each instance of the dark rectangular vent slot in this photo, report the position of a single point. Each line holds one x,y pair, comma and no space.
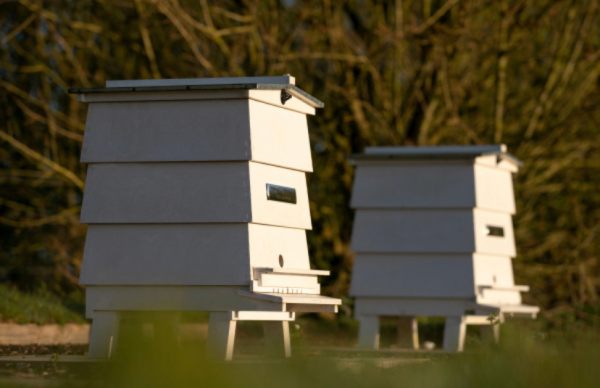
496,231
281,193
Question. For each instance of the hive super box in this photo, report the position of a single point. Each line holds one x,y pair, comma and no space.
433,236
196,200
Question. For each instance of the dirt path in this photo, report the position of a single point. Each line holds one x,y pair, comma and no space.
70,333
17,334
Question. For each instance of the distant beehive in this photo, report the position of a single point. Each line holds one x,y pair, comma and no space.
196,199
433,236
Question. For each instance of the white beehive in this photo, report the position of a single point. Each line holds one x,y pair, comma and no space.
196,199
433,236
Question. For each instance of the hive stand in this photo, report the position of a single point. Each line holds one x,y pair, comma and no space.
196,200
454,329
433,236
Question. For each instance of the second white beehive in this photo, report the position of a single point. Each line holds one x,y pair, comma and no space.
433,236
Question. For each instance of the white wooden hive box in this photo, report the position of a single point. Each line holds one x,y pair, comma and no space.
435,222
193,192
198,182
255,118
485,278
435,178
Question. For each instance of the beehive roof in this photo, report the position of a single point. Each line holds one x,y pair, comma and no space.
436,152
286,82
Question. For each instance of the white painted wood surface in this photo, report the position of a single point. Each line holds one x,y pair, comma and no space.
177,206
221,335
401,184
494,155
296,271
172,298
406,275
187,254
200,298
408,333
268,243
103,334
196,130
500,296
273,97
399,306
270,212
494,189
432,184
298,104
433,236
168,193
394,231
435,275
279,137
493,270
262,316
368,336
294,302
265,89
166,131
455,330
292,281
488,243
431,231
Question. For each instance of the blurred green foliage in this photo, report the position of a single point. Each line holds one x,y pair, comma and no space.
390,72
526,357
40,307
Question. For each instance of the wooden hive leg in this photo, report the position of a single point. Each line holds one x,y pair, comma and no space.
103,334
368,334
277,338
408,333
221,335
454,334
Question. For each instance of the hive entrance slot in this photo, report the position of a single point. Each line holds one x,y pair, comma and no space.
496,231
281,193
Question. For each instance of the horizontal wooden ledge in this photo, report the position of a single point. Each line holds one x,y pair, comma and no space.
512,310
293,271
520,288
293,298
262,316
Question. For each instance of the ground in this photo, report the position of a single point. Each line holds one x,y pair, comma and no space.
526,356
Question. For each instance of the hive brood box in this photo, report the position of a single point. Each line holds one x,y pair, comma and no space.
433,236
196,199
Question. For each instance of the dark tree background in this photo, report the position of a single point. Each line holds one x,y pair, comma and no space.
524,73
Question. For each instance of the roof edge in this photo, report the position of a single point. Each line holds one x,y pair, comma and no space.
435,153
292,89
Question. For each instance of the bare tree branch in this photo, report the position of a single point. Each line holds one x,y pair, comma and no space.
42,160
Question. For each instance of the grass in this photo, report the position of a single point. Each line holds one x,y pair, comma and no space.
531,354
40,308
526,357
